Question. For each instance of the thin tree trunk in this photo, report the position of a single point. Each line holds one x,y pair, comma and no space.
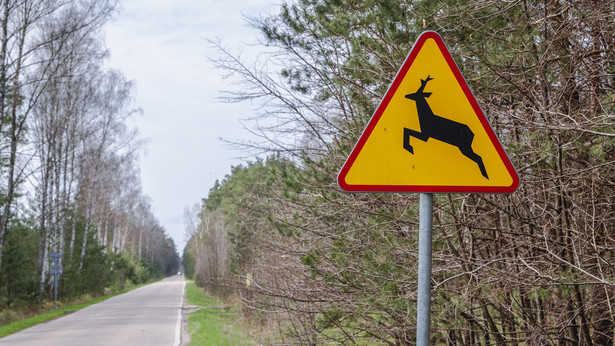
15,131
140,241
73,231
104,242
87,227
42,243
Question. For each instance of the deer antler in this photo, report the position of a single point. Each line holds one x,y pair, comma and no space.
424,83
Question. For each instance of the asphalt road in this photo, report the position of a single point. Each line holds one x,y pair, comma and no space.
150,315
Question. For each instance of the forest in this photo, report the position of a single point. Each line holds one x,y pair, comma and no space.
316,265
69,180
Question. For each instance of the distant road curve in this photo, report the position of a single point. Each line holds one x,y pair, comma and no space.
150,315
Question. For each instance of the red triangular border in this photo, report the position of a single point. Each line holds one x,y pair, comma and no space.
382,107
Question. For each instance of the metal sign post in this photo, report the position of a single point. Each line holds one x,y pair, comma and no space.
55,290
424,285
55,270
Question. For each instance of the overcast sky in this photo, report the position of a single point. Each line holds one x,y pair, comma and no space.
160,44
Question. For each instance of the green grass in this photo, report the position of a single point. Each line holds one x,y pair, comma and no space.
213,324
16,326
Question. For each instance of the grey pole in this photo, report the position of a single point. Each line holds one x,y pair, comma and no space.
424,285
55,288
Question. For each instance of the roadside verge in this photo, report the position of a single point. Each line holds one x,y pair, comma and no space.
210,322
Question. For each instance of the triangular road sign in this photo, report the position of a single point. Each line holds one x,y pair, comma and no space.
428,134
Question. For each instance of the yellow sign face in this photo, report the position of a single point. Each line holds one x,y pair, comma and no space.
429,134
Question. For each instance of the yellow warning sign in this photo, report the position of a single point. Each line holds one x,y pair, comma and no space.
428,134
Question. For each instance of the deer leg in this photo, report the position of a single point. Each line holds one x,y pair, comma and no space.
467,151
415,134
407,146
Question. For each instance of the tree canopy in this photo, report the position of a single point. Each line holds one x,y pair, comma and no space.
69,181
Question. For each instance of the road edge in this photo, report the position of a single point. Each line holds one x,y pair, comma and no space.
178,324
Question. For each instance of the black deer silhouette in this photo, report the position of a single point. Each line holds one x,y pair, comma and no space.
442,129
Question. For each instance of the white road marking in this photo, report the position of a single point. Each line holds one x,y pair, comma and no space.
178,325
